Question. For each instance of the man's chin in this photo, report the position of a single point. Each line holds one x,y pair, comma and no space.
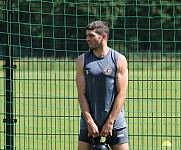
91,48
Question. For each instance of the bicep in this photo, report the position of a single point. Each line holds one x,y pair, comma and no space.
80,77
122,75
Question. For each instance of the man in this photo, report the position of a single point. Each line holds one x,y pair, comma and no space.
102,80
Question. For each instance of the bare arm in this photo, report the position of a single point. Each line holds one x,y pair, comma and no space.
121,84
81,88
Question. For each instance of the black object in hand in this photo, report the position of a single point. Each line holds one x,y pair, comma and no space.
97,145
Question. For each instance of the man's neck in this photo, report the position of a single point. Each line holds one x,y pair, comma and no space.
101,52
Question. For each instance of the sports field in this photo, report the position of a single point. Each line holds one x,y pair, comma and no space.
47,110
41,39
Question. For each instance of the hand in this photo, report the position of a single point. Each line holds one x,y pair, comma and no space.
107,129
92,129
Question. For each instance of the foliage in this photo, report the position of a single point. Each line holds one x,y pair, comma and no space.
57,28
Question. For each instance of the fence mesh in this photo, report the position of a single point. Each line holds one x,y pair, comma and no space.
39,44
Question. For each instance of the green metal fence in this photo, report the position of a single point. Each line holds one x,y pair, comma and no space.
39,44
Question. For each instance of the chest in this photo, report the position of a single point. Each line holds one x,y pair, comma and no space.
100,67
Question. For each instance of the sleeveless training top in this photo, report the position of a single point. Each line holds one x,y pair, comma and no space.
101,88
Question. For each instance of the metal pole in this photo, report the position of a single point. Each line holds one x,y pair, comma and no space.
9,78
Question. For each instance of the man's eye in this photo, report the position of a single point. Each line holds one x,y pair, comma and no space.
91,35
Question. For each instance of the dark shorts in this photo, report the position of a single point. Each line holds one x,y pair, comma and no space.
119,136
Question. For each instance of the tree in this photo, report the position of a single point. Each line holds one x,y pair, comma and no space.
57,28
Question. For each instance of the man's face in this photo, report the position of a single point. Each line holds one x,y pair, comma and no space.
93,39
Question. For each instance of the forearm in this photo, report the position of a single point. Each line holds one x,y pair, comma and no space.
85,108
117,106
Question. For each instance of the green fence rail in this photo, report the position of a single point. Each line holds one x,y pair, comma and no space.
39,44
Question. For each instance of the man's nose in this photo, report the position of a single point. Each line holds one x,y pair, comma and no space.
87,38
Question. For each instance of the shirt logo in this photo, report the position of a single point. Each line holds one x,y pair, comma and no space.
107,70
87,70
120,135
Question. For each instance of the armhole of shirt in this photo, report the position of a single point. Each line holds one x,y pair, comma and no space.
85,55
115,56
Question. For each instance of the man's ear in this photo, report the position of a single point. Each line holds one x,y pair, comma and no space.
104,36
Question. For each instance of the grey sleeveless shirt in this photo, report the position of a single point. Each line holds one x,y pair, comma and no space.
101,89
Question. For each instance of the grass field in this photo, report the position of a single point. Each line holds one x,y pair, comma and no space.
47,111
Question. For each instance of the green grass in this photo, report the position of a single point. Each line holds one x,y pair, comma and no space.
47,110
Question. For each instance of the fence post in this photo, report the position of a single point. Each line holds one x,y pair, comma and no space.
9,120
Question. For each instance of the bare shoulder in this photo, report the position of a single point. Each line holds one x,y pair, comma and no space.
80,65
122,62
80,60
122,70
